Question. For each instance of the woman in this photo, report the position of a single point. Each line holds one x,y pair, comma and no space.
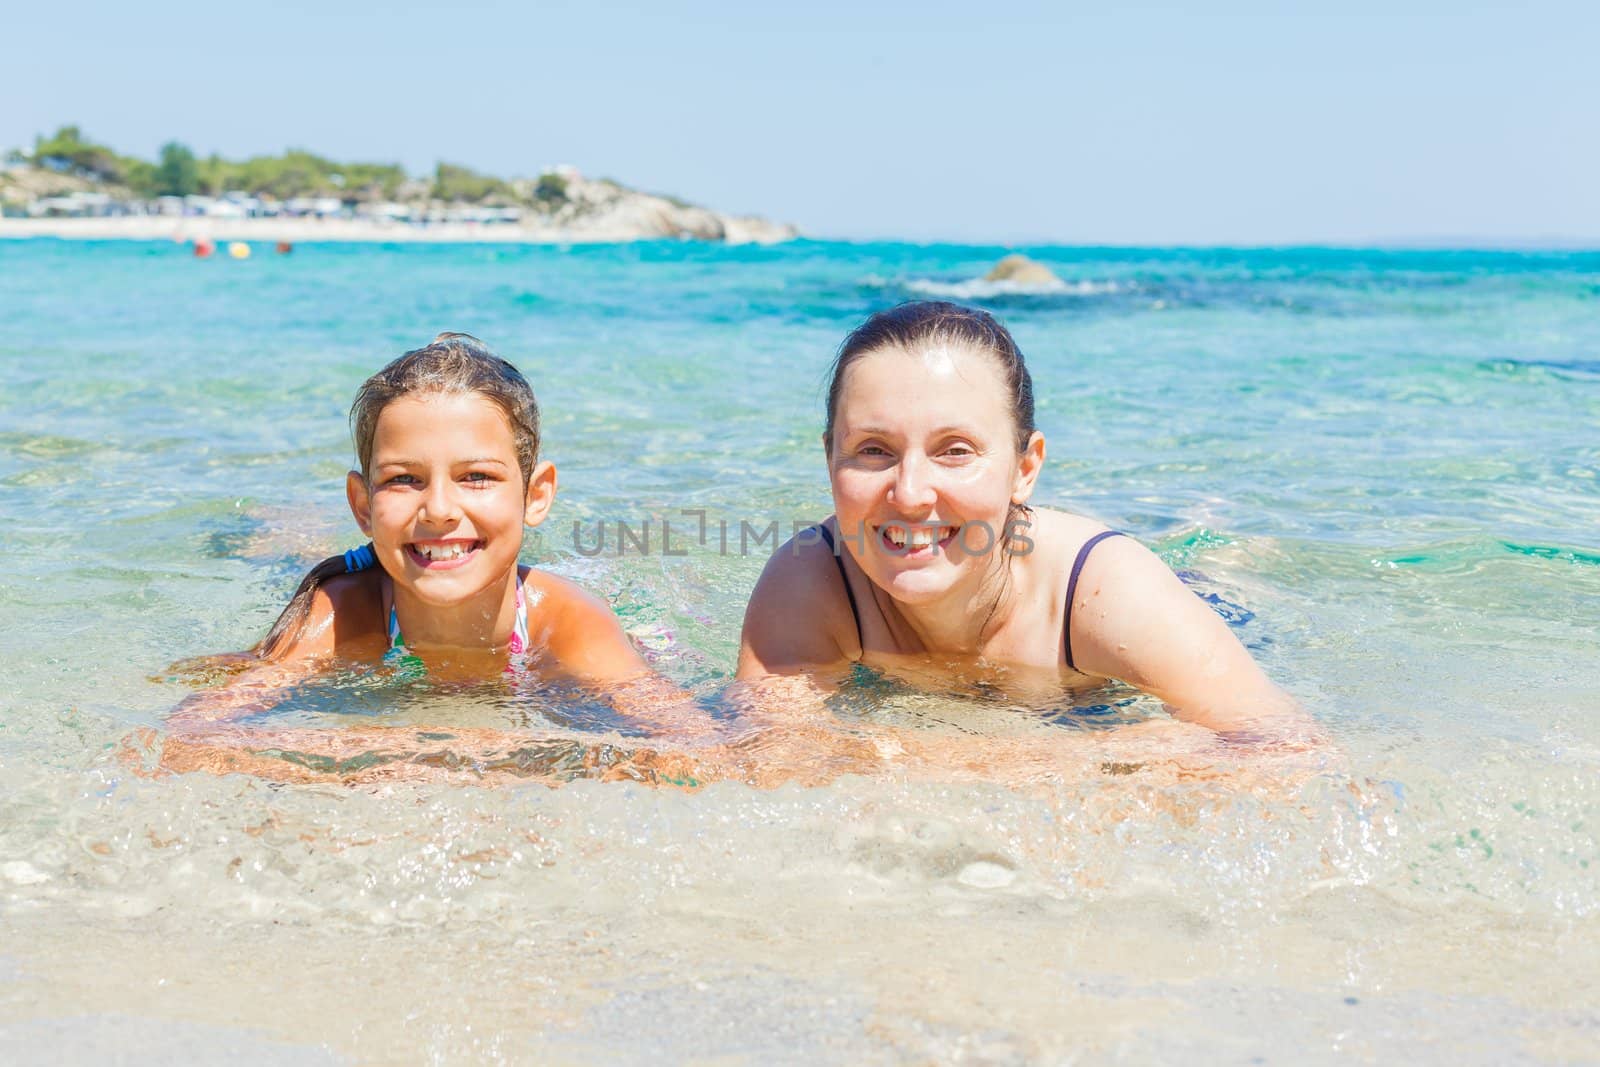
934,568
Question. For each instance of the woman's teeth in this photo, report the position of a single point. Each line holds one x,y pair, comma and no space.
439,553
917,536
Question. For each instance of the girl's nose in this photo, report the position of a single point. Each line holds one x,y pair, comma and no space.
439,503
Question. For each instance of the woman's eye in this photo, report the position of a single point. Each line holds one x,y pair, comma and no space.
960,451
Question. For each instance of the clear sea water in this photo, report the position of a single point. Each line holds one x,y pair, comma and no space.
1382,465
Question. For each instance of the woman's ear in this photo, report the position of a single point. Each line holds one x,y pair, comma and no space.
541,494
360,498
1028,468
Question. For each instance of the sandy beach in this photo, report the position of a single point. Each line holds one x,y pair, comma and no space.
610,228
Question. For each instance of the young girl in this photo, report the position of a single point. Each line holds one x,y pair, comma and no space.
447,438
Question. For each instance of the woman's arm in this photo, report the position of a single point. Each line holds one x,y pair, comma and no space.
1133,620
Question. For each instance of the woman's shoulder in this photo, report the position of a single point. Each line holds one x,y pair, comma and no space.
1066,542
807,570
799,613
1057,537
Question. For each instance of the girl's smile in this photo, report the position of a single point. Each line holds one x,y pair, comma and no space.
443,555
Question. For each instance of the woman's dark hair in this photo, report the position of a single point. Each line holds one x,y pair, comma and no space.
451,363
923,323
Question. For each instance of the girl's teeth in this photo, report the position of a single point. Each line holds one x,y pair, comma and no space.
443,552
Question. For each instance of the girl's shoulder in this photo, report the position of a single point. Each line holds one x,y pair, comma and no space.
553,595
579,628
346,614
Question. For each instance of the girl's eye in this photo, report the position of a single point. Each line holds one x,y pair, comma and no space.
477,477
401,479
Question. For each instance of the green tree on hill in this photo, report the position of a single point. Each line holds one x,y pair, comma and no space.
551,188
67,151
177,174
452,182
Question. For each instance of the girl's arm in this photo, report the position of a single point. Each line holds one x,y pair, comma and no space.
1133,620
257,689
587,642
344,614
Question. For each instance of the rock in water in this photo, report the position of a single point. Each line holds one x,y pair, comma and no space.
1021,269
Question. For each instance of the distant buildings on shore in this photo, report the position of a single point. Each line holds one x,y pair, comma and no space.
238,204
234,205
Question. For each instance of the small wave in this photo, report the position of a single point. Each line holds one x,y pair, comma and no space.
1466,557
983,289
1569,369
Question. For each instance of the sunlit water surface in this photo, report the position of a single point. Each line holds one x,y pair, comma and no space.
1381,467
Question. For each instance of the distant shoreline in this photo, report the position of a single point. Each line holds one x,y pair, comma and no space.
313,230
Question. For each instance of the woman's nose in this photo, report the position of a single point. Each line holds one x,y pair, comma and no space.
913,483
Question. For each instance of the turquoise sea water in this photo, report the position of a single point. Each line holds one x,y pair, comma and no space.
1383,464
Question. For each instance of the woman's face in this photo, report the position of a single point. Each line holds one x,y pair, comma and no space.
925,468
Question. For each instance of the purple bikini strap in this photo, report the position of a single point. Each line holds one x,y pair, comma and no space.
1072,589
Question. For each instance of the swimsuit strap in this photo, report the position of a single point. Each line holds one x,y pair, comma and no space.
827,535
1072,589
517,644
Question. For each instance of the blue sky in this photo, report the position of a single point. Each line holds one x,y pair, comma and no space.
1118,123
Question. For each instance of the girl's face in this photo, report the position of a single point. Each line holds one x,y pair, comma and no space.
444,501
925,468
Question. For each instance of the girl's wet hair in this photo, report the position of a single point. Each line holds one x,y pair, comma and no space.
452,363
927,323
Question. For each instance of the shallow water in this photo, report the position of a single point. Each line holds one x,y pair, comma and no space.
1382,465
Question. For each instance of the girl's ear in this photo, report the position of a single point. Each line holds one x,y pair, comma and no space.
360,497
541,494
1032,462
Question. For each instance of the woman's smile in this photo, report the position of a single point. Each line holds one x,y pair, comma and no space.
919,541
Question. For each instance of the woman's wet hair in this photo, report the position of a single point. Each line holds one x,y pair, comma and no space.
453,363
938,323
